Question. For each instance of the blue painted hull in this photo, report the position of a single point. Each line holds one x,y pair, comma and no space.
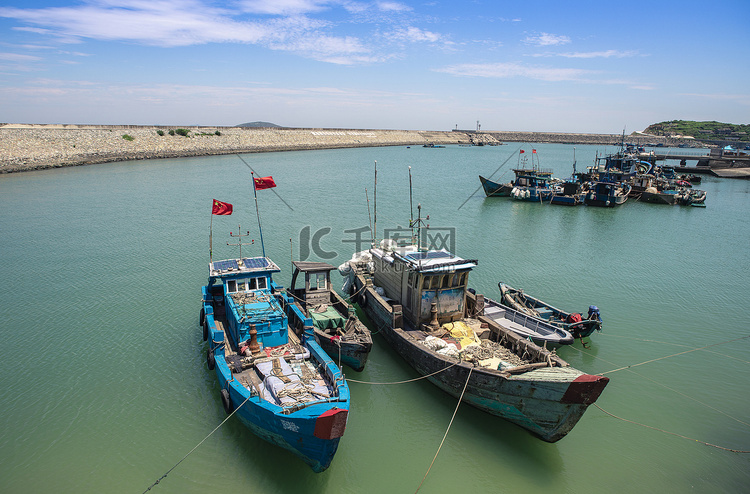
305,420
494,189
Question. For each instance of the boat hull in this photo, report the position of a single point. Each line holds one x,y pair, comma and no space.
548,313
352,354
311,431
494,189
548,401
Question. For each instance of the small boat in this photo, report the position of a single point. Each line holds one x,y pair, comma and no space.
494,189
694,197
572,322
540,332
272,373
606,194
653,195
569,194
335,324
691,177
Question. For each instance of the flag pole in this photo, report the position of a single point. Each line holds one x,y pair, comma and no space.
257,212
211,236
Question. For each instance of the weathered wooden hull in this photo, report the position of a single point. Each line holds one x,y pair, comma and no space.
546,401
352,353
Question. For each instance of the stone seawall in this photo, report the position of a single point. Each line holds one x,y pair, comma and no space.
34,147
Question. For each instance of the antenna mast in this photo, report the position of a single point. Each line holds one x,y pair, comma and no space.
239,236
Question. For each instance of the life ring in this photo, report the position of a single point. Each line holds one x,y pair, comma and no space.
205,330
226,401
210,359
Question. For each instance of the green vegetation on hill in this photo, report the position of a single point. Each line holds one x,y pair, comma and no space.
258,124
715,131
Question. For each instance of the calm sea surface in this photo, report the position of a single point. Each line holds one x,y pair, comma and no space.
104,382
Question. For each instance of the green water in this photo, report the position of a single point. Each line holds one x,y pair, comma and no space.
104,382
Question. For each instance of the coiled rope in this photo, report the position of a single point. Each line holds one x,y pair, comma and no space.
446,431
196,447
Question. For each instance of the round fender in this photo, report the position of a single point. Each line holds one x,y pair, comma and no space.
210,360
226,401
205,330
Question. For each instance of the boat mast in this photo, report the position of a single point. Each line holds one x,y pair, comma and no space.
239,241
375,205
411,210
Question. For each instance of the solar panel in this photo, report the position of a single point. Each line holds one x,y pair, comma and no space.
224,265
255,262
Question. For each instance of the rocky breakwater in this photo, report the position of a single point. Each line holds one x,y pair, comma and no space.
35,147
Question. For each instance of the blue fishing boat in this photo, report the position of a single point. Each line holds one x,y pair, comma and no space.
531,184
573,322
606,194
277,380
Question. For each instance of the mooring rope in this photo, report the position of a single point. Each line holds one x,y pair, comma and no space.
196,447
668,432
675,354
409,380
446,431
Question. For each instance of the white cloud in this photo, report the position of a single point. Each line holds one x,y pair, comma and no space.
507,70
16,57
414,34
600,54
284,7
547,39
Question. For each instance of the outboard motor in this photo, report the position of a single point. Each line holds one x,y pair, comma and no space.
594,312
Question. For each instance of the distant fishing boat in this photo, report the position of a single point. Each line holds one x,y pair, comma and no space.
494,189
336,327
572,322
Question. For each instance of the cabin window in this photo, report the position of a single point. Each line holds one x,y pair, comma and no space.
252,283
446,281
318,281
262,283
231,286
456,280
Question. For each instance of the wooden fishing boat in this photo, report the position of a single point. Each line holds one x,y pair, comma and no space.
654,195
494,189
572,322
335,324
441,329
541,332
272,373
532,185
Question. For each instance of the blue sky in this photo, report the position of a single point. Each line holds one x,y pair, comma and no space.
577,66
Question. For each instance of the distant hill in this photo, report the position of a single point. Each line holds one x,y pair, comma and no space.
258,124
716,131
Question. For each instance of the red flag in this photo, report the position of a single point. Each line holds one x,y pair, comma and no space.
264,183
533,151
221,208
522,151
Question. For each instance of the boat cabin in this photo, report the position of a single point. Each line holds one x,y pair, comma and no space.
317,285
416,279
246,286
